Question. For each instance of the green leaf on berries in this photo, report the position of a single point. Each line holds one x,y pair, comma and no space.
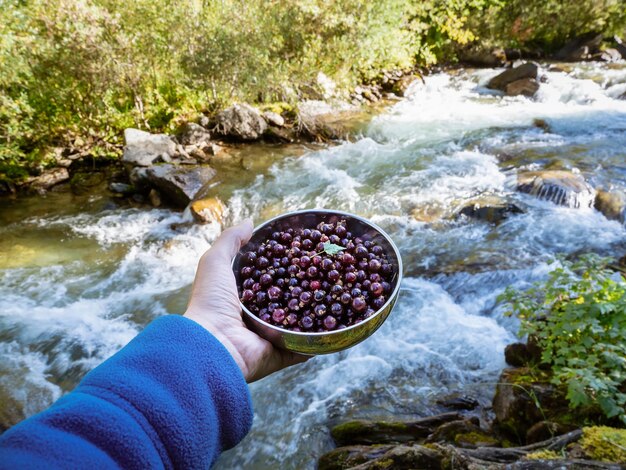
332,249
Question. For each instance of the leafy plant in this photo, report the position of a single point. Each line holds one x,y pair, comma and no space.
578,316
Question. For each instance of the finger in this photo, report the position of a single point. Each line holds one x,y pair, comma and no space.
230,241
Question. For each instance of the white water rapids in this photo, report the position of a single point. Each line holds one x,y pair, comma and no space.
75,288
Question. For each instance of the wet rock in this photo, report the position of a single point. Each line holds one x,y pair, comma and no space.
612,204
526,70
144,149
384,432
273,119
193,134
457,401
351,456
482,57
541,124
241,122
208,210
563,188
525,87
490,208
579,48
155,198
177,184
544,430
121,188
428,213
48,179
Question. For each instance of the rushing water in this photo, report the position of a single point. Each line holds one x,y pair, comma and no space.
80,277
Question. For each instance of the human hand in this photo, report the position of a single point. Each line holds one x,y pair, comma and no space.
214,304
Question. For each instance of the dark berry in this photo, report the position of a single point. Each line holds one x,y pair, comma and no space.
274,293
330,322
358,304
279,315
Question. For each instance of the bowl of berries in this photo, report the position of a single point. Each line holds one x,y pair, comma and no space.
317,281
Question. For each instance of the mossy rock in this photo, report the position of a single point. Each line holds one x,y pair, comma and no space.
389,432
366,432
475,439
350,456
447,432
604,443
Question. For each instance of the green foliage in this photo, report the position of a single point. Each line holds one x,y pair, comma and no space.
604,443
90,68
579,319
548,24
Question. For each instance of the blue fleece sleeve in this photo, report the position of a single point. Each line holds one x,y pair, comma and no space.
172,398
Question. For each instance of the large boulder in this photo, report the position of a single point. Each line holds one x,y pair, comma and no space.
242,122
579,48
526,70
178,184
193,134
564,188
145,149
612,204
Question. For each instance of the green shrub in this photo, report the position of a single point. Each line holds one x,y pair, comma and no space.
579,318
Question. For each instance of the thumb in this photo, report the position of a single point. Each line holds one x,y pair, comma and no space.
231,240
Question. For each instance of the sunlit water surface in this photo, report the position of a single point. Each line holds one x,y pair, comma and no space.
79,277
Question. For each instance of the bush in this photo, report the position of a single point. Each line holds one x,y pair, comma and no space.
579,319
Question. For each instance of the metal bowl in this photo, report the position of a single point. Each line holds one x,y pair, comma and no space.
331,341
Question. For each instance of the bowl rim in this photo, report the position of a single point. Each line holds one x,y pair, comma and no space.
392,297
